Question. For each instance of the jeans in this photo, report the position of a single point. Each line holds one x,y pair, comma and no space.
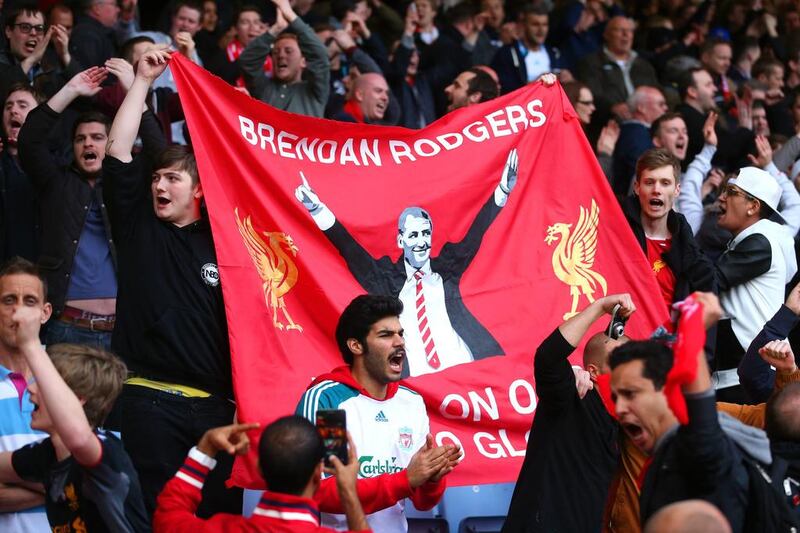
59,331
159,429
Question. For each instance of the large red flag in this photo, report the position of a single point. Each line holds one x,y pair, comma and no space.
512,265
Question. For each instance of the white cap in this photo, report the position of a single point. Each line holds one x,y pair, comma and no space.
760,184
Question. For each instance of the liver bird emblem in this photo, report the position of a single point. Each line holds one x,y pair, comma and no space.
273,259
573,257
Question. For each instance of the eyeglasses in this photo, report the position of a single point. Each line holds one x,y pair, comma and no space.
26,27
586,102
730,191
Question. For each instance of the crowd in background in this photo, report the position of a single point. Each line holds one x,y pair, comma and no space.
692,109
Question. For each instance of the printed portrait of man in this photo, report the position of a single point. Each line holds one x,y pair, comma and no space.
439,330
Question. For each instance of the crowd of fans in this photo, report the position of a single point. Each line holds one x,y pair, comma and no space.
693,110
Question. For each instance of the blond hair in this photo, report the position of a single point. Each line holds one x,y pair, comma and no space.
94,375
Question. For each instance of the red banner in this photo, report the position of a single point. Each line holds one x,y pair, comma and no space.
513,256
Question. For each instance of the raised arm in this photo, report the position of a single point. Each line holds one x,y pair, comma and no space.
318,67
690,200
508,179
786,155
126,123
702,447
63,406
181,496
322,216
574,329
253,56
346,476
755,374
34,152
357,56
790,199
556,382
86,83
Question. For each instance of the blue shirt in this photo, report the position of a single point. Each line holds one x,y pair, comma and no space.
93,273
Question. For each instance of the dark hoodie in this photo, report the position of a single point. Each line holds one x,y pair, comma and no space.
693,270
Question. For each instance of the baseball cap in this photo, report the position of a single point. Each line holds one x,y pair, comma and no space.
760,184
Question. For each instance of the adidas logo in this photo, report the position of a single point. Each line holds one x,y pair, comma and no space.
380,417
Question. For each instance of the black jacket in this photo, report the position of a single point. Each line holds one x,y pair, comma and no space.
170,314
572,452
698,461
442,60
64,198
387,276
417,105
509,63
693,270
91,43
790,452
20,229
604,77
48,79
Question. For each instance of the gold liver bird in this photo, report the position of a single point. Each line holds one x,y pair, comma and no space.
573,257
275,266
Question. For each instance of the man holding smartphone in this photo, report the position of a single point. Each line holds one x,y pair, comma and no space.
290,455
386,420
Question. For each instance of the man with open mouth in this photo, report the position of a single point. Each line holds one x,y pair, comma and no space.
369,103
77,251
387,420
29,58
753,271
19,221
704,457
171,332
300,66
676,260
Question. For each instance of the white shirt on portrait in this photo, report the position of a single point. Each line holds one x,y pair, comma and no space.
450,347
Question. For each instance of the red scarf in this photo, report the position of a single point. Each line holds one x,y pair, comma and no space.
354,109
235,49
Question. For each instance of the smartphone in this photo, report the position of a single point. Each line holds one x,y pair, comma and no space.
332,428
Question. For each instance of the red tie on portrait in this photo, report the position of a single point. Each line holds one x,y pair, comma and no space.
424,326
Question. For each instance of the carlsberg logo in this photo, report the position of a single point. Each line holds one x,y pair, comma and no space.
371,466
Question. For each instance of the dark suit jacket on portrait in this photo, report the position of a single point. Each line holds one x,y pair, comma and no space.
387,277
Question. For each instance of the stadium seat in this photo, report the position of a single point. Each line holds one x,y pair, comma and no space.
476,508
430,521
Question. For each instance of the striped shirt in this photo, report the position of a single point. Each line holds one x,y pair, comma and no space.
16,432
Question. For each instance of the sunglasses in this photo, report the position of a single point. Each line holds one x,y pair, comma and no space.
730,191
